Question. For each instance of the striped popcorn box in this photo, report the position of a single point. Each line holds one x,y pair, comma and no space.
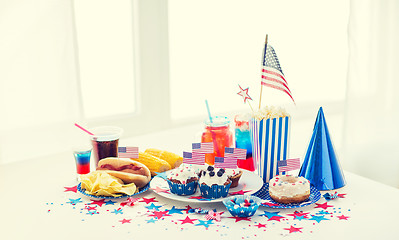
270,143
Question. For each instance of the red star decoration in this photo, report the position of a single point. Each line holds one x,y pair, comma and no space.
125,221
98,202
293,229
298,214
187,208
342,195
71,189
241,218
130,202
91,208
241,192
324,205
187,220
196,197
342,217
148,200
244,93
260,225
160,190
269,204
275,218
159,214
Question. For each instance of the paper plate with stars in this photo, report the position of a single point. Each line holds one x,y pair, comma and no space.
263,193
82,191
249,183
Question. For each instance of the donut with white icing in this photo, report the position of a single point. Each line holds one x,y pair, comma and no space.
289,189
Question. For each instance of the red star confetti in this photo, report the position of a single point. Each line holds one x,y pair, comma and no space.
244,93
196,197
188,207
293,229
188,220
260,225
91,208
71,189
299,214
241,192
148,200
341,195
342,217
324,205
129,202
160,190
159,214
123,221
241,218
98,202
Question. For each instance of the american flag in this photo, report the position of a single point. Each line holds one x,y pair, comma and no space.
203,147
194,158
272,74
236,153
288,165
128,152
224,162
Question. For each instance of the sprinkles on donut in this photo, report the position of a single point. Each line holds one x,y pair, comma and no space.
289,189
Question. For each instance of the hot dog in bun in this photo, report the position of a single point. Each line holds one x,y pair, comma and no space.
129,171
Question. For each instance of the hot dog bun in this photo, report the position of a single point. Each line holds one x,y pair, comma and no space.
129,171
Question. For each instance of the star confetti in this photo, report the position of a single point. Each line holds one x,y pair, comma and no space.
129,202
153,206
74,201
91,208
300,214
260,225
159,214
148,200
117,211
160,190
293,229
123,221
71,189
204,223
318,219
109,202
244,93
174,210
342,217
188,220
188,207
272,216
324,205
241,218
98,202
241,192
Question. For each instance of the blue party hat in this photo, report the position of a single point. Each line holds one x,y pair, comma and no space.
321,166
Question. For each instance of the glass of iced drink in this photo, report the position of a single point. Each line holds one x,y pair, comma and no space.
105,142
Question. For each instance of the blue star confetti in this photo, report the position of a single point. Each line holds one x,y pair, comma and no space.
118,211
153,206
204,223
175,210
318,219
74,201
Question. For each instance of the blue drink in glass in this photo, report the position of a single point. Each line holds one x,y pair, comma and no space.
243,140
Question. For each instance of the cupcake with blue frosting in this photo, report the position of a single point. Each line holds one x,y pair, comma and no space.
214,183
183,180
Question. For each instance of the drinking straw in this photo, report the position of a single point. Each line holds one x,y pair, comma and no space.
212,133
77,125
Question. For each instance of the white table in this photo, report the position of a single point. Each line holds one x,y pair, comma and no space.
34,204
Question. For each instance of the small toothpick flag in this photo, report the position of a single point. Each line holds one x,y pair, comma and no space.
203,147
223,162
128,152
236,153
194,158
288,165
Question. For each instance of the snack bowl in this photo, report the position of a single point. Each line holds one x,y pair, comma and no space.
242,206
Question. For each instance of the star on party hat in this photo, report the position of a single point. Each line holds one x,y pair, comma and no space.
321,166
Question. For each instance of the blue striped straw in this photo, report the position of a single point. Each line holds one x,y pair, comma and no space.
209,112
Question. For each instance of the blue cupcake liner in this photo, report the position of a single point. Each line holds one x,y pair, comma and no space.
242,211
214,191
183,189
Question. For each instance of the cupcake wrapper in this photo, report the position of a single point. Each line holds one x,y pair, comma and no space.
242,211
214,191
183,189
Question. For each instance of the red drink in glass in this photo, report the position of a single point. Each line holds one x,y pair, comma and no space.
220,134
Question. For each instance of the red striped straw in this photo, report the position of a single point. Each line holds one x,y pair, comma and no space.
77,125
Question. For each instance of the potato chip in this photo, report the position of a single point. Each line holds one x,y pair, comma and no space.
100,183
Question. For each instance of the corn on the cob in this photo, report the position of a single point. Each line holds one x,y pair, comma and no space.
153,163
173,159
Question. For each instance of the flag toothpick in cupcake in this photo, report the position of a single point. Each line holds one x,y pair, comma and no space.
288,165
197,156
231,156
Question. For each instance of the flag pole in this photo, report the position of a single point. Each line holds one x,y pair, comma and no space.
263,60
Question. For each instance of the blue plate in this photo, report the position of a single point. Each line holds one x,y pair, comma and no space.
82,191
263,193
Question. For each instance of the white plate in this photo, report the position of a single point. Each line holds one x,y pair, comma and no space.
249,181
